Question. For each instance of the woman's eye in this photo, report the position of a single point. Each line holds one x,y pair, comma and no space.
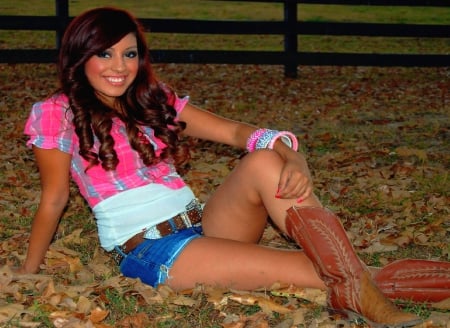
104,54
131,54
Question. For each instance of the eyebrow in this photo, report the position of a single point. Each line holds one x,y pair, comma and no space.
128,48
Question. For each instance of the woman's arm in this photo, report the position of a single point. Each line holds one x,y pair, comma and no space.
54,166
208,126
295,179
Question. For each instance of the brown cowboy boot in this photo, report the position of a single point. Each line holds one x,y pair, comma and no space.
416,280
351,289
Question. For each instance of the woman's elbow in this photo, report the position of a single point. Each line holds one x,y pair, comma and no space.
56,199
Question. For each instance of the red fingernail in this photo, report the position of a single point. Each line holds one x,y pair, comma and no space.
277,195
299,200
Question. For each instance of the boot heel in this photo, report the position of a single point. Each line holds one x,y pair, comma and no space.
360,319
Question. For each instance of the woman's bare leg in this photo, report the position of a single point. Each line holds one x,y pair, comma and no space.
245,266
234,220
239,208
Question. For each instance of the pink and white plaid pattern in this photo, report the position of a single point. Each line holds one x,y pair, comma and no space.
49,126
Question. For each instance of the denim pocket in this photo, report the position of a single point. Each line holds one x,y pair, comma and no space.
152,260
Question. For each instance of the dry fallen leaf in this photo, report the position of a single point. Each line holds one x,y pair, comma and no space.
139,320
84,305
97,315
311,294
442,305
267,305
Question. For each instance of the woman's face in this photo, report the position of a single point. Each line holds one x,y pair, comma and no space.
113,70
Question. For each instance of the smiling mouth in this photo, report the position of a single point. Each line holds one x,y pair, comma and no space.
115,80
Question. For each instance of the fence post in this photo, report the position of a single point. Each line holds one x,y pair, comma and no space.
290,38
62,14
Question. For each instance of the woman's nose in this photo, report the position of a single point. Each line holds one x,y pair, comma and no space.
118,64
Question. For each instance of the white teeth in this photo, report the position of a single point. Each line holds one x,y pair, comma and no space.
116,79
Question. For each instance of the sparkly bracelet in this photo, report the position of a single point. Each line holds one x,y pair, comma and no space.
265,138
251,141
287,138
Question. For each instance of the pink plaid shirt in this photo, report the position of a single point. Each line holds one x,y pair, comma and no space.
49,126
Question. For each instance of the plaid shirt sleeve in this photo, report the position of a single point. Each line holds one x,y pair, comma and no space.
49,125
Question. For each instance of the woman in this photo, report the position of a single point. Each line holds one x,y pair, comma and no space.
115,128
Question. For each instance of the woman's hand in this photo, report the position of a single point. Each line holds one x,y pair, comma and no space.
23,270
295,179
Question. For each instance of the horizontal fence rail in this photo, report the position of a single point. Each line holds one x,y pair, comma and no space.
409,3
291,57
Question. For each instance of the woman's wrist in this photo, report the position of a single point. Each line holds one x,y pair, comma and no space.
29,268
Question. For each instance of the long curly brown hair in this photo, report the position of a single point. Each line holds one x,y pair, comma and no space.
145,103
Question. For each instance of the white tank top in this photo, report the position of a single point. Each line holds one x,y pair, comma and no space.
122,216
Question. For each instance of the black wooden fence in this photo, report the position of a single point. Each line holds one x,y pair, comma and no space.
291,57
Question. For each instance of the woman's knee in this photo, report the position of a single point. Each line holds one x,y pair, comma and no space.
264,159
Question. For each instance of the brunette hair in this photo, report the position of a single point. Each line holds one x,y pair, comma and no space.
146,102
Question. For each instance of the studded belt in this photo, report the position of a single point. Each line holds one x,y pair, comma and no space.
189,218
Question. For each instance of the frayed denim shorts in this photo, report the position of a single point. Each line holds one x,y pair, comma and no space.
152,260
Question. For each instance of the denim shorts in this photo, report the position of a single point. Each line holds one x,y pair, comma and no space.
152,260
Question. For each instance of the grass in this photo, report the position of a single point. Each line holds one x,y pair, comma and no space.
118,305
41,314
241,10
231,10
